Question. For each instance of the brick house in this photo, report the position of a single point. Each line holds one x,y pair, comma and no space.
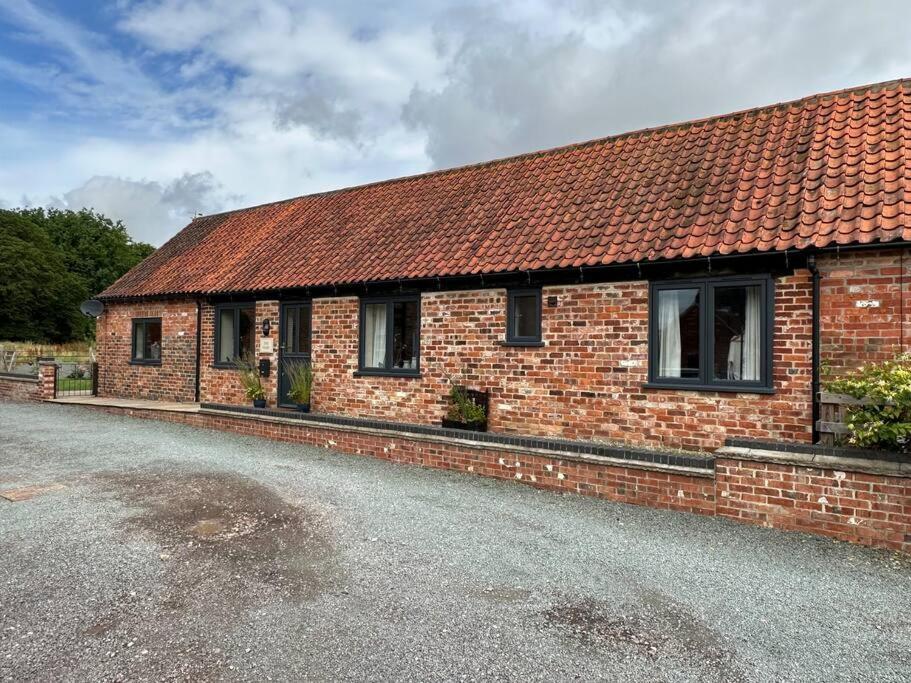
671,287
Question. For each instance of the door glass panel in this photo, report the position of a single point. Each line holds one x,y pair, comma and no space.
292,321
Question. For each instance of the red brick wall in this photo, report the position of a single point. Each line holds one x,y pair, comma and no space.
853,334
19,389
221,385
871,509
174,379
585,383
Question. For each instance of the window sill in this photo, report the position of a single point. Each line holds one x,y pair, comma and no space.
151,363
532,344
720,388
412,374
223,366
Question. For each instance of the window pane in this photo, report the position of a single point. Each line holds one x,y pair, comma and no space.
738,331
404,329
303,337
525,316
375,335
678,333
153,340
139,332
247,332
292,320
226,335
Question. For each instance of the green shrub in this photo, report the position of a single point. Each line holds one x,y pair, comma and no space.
884,420
250,379
300,381
462,408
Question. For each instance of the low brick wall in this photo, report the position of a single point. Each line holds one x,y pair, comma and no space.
860,507
19,388
868,508
25,388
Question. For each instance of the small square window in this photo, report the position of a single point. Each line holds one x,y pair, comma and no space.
146,343
523,316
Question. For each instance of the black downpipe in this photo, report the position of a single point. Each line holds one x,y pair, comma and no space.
814,271
198,344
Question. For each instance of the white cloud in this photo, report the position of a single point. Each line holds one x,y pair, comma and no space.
148,207
512,87
222,103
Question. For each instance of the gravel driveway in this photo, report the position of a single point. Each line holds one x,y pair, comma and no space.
156,551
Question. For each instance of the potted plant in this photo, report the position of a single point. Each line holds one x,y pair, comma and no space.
300,384
251,381
467,409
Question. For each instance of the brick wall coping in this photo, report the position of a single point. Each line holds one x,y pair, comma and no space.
817,449
600,454
817,461
18,378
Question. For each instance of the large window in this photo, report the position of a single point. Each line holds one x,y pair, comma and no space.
235,332
713,333
146,341
523,317
390,335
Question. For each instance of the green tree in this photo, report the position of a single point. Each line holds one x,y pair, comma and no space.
50,262
39,297
94,248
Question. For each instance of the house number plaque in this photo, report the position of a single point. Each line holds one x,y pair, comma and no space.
266,345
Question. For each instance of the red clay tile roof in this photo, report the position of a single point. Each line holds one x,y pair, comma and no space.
825,170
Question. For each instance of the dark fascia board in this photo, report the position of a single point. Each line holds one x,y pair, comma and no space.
777,263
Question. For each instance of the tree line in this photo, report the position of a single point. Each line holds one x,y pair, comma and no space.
50,262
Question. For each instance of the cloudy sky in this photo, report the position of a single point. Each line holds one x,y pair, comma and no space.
153,110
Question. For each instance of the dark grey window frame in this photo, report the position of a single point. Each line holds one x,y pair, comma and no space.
705,381
514,340
388,371
236,307
144,361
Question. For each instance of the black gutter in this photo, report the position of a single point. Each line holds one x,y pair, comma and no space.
614,272
814,271
198,347
780,261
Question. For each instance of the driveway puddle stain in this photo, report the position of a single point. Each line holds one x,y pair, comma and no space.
655,627
223,524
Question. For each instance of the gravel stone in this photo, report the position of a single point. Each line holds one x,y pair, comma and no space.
155,551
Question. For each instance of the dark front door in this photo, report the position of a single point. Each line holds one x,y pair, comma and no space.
294,326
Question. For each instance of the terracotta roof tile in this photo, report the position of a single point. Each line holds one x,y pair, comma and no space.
828,169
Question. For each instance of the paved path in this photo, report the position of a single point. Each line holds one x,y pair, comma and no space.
143,550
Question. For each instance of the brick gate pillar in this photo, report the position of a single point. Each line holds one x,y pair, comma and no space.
47,378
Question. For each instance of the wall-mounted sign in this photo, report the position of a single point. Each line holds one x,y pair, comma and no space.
266,345
867,303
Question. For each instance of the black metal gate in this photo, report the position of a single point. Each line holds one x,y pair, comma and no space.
76,376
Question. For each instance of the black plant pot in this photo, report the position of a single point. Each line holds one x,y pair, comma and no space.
467,426
303,407
259,403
